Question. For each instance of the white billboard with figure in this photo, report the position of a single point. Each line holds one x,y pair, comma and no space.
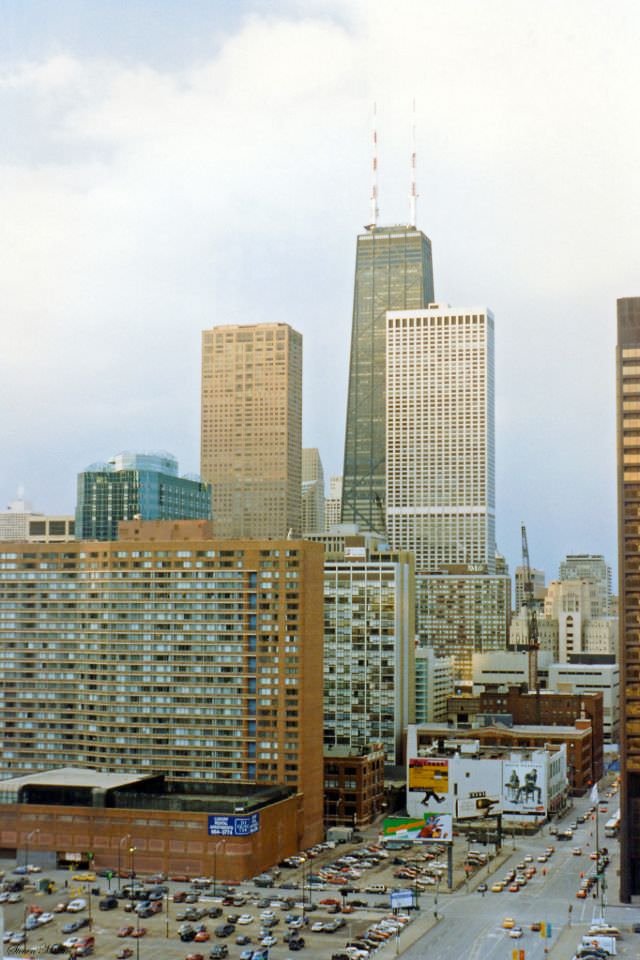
524,787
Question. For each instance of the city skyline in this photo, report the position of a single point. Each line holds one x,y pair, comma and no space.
129,156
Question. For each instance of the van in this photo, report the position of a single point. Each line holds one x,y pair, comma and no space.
375,888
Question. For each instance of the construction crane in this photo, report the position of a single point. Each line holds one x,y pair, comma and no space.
533,642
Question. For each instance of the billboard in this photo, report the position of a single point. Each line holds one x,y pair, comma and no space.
219,826
430,777
401,898
430,826
524,787
476,806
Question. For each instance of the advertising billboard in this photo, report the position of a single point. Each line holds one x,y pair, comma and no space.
401,899
476,806
429,827
524,787
429,776
219,826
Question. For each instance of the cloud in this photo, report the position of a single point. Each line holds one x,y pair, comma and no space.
142,204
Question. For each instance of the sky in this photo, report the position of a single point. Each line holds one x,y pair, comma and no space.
168,166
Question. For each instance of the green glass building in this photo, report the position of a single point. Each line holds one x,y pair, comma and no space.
394,271
130,485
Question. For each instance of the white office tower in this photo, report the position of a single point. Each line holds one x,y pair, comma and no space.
440,463
594,567
333,503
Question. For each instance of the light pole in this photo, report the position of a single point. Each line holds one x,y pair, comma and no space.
127,836
435,901
26,846
132,850
215,863
89,900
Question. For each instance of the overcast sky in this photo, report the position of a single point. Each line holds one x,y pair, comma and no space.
167,166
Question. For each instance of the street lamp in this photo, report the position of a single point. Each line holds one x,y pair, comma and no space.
138,934
26,846
132,850
120,842
215,863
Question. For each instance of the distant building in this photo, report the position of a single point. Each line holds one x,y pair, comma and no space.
507,668
130,485
394,271
313,500
575,604
353,785
585,566
548,632
19,522
440,437
435,678
460,613
576,678
539,588
333,503
251,428
369,631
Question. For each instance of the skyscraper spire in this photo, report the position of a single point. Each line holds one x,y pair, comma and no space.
374,172
413,193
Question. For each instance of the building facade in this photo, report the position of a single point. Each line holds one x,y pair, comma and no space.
353,785
131,485
19,522
369,628
573,604
435,681
440,461
539,588
576,678
459,614
587,566
313,499
251,428
394,271
165,652
548,632
333,503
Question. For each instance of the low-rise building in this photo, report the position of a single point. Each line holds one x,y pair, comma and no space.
581,771
353,785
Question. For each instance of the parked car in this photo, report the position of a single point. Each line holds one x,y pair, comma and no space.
109,903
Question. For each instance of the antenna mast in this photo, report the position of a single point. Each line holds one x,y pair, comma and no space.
413,192
374,171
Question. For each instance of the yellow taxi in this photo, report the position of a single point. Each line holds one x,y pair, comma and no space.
84,877
508,923
497,887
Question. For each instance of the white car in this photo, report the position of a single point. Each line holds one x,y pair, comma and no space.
317,927
245,918
267,915
268,941
18,937
14,898
45,918
515,933
75,906
71,942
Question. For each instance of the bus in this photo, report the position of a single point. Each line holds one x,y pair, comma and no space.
612,826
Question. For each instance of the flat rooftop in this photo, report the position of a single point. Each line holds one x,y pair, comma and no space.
73,777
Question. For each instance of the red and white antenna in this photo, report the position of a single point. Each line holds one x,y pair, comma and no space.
374,172
413,191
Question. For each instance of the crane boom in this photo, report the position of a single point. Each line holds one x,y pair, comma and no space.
533,641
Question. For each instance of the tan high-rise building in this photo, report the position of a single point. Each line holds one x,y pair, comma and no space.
251,428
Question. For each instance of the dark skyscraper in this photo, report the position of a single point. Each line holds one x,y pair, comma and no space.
628,417
394,271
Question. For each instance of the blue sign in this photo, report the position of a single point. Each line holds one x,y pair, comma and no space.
233,826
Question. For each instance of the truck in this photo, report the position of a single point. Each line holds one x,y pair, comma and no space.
601,942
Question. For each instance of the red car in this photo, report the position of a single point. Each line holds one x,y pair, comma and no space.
514,888
124,931
124,953
194,956
201,936
139,932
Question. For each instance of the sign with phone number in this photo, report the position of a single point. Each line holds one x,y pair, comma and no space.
233,826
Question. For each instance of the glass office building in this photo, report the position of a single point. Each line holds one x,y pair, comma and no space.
129,485
394,271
